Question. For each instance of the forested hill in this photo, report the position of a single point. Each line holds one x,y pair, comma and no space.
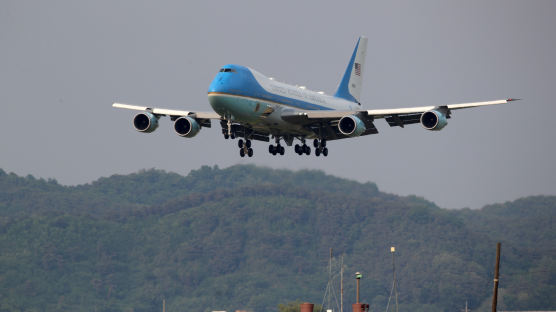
250,238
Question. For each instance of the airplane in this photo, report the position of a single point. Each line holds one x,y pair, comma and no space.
252,106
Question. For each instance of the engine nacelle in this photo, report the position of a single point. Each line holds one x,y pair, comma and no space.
433,120
186,127
351,126
145,122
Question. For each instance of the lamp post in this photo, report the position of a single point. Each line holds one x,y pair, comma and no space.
358,276
393,250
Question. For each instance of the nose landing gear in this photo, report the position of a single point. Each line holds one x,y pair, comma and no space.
227,129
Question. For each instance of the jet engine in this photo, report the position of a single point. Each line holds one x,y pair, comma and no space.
433,120
351,126
186,127
145,122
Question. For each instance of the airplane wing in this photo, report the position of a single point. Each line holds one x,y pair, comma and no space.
382,113
395,117
169,112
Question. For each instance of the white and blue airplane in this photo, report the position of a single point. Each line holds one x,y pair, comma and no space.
252,106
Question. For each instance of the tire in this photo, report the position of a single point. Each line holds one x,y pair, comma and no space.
248,143
317,152
325,152
323,143
250,152
282,150
316,143
242,153
240,143
308,151
271,149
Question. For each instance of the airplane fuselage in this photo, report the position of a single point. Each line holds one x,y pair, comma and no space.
246,96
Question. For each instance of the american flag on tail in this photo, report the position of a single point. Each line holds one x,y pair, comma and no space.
357,69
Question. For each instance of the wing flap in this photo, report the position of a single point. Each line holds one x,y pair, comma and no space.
400,121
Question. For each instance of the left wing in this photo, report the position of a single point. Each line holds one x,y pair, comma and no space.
432,118
385,113
382,113
169,112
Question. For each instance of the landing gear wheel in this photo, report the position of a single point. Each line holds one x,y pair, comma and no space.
233,136
242,152
325,152
250,152
240,143
226,136
316,143
297,149
323,143
317,152
248,143
282,150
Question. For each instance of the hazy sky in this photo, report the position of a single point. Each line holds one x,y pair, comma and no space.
63,63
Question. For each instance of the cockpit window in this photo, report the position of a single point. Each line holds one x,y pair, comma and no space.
227,70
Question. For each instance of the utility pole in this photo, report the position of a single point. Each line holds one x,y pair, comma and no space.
496,275
342,284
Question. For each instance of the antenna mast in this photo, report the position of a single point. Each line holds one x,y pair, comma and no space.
329,292
394,282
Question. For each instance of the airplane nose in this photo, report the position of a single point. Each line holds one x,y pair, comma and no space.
218,84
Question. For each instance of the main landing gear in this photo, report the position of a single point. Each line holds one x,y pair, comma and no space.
245,148
276,149
302,149
320,147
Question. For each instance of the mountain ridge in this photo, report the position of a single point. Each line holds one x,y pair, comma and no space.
249,237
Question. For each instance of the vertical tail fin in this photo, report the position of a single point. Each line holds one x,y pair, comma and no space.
350,86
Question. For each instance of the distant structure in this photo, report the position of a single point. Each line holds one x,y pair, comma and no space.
394,289
359,307
330,292
306,307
